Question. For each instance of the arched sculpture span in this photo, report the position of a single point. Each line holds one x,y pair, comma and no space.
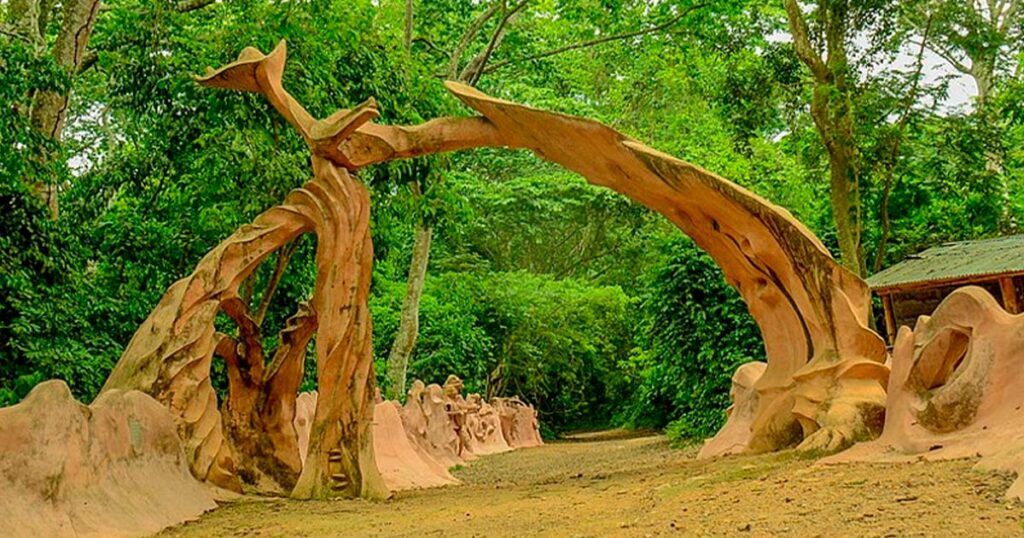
823,386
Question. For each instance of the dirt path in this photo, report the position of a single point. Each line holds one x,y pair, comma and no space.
619,486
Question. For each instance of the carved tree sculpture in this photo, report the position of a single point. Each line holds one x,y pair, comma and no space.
956,389
824,383
253,438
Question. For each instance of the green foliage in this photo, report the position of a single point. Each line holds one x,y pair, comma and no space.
555,343
694,331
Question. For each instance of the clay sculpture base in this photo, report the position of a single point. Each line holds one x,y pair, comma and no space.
114,468
956,389
414,446
733,437
402,464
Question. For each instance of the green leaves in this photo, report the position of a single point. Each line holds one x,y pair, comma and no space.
556,343
693,332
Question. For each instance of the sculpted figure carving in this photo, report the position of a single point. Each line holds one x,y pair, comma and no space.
519,424
457,409
428,424
484,427
956,389
305,407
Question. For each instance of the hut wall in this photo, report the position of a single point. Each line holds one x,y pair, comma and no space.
909,305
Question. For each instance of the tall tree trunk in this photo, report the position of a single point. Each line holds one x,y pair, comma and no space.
832,112
408,23
409,323
846,207
409,319
340,458
49,107
835,128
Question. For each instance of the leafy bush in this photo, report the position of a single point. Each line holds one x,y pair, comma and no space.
555,343
694,331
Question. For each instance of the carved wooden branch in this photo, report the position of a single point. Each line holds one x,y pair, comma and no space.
347,138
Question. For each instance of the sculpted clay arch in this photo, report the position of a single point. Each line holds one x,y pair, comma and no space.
823,385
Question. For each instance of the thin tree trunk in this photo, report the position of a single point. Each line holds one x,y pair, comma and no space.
883,241
283,257
408,23
409,324
409,319
982,73
49,108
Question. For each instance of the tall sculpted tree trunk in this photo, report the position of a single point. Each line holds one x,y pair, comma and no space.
251,440
340,455
831,110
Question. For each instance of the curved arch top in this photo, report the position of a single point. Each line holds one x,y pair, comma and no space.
825,366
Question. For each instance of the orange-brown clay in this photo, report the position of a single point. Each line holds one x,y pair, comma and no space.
956,389
113,468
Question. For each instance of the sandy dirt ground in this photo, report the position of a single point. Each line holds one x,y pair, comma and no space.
620,485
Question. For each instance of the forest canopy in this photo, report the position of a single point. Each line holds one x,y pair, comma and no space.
886,126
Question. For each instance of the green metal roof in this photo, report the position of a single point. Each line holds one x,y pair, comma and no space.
953,261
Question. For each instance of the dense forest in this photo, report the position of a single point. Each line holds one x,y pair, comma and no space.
885,126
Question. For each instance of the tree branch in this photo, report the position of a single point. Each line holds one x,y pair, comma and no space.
1010,16
283,257
474,70
431,45
947,55
191,5
593,42
802,42
467,37
88,60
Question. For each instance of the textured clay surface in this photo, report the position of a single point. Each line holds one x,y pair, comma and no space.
957,389
114,468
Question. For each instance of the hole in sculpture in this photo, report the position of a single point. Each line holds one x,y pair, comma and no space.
264,337
942,357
